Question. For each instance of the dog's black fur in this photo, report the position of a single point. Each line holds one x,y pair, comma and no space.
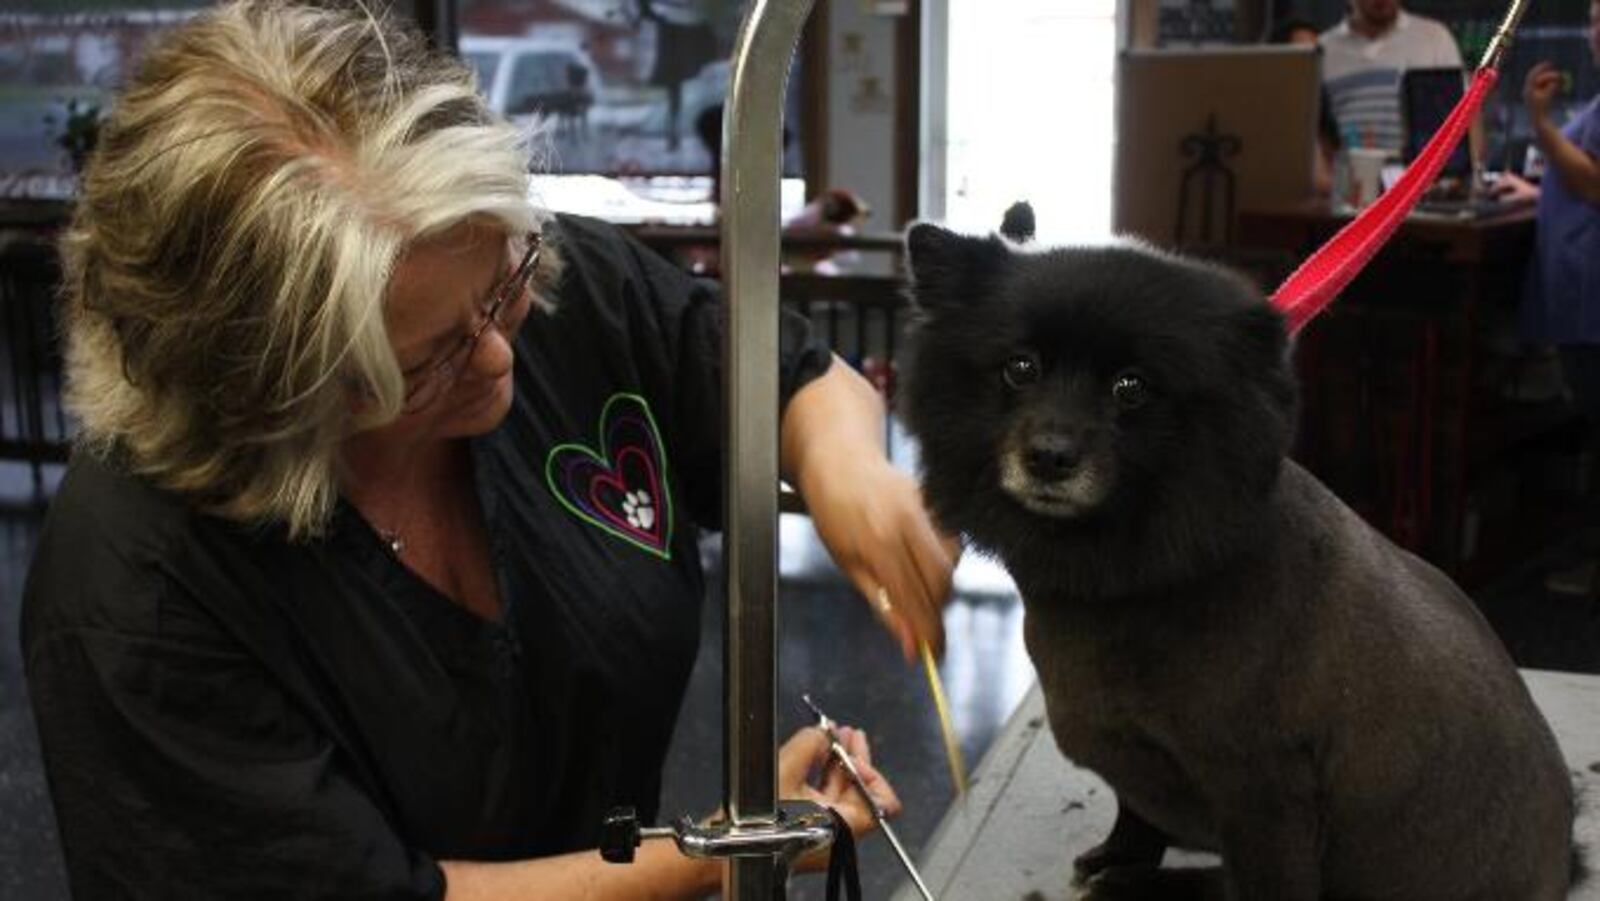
1251,667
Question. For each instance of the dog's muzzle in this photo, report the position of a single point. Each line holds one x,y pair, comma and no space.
1055,473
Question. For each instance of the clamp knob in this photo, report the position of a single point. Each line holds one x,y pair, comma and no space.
620,834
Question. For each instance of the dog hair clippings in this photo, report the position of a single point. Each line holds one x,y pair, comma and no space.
1330,269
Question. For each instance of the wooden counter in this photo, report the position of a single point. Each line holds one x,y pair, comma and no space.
1471,241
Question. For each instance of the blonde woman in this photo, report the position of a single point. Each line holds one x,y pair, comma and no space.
375,572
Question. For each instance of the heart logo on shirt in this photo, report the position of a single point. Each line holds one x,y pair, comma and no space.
622,487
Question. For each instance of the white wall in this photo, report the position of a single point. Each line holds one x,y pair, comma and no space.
1021,111
1029,116
861,90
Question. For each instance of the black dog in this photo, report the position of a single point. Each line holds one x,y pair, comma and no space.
1252,668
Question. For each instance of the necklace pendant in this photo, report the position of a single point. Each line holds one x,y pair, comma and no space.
393,540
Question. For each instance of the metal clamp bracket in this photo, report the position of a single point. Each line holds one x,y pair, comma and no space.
801,826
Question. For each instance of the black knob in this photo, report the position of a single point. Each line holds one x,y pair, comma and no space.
619,835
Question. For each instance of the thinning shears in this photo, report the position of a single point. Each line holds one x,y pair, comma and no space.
837,751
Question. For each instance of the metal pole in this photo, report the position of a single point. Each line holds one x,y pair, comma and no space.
1501,42
752,158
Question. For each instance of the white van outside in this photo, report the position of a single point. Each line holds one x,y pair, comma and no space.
526,77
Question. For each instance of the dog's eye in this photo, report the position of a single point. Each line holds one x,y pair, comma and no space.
1020,370
1130,391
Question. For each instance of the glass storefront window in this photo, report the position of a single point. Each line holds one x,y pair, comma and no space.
624,87
60,61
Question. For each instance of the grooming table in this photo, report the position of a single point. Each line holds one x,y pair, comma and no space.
1029,811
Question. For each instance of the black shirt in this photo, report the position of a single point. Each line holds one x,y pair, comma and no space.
226,713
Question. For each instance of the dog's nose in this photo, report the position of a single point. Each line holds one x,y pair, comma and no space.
1052,456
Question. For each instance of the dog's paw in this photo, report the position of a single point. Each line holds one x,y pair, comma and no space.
1109,855
1147,883
1113,882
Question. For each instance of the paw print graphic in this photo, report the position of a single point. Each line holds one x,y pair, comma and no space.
640,511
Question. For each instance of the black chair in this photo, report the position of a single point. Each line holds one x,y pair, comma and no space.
33,424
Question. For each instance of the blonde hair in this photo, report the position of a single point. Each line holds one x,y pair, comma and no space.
226,267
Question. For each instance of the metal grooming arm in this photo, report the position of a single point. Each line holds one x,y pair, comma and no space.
761,837
752,161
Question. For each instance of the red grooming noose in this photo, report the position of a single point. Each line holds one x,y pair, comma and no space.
1326,272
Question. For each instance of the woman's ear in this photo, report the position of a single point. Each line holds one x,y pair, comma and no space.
951,270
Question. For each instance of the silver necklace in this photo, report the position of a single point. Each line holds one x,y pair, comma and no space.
391,537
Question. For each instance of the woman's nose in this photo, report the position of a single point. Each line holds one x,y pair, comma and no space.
492,355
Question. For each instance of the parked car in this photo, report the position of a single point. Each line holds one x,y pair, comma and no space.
523,77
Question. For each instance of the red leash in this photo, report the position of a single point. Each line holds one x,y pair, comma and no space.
1328,271
1325,273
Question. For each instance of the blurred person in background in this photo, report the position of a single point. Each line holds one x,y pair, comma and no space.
1561,304
1363,58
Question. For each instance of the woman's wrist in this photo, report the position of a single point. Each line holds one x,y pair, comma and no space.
1545,132
838,424
698,877
848,462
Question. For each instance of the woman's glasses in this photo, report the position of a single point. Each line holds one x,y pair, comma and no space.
433,380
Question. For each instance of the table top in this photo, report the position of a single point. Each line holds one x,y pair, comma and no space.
1029,811
1458,239
1321,210
667,236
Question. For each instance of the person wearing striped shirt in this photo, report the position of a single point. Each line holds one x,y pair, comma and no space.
1363,58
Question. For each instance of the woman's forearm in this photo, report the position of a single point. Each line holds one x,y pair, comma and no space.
1578,170
659,873
837,413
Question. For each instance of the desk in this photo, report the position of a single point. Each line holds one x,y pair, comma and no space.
666,238
1030,811
1396,415
1505,238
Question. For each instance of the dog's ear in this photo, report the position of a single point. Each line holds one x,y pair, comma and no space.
950,270
1260,335
1258,343
1018,223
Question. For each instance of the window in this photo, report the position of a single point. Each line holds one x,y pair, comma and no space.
623,87
60,61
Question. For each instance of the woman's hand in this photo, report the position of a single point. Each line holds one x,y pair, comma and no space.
1512,187
871,518
805,753
869,515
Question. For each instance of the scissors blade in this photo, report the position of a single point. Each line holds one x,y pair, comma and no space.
826,724
905,859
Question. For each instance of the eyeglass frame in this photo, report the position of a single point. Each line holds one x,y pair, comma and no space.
450,366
